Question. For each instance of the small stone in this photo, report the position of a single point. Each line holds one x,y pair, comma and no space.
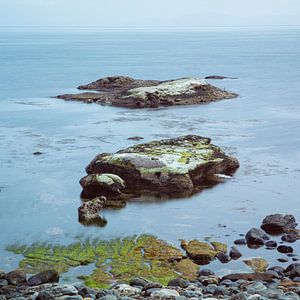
240,242
255,238
164,294
271,245
223,257
126,290
179,282
138,282
152,285
206,272
271,293
257,264
108,297
256,287
44,277
37,153
3,282
44,296
289,238
285,249
283,260
15,277
135,138
235,253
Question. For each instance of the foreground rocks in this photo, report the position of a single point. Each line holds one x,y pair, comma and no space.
207,285
173,166
134,93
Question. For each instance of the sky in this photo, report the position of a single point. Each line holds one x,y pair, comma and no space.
149,13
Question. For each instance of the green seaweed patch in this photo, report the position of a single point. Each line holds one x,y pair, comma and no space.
116,260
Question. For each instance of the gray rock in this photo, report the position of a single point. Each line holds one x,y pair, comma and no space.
255,237
206,272
109,297
255,287
138,282
126,290
272,293
44,296
179,282
152,285
164,294
69,298
3,282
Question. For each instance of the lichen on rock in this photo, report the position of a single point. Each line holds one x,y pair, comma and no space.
179,165
134,93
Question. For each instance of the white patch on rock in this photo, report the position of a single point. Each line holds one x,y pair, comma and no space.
169,88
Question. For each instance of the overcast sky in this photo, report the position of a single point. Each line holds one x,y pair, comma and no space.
144,13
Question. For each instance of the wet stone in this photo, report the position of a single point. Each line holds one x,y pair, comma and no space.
235,253
240,242
255,238
271,245
289,238
285,249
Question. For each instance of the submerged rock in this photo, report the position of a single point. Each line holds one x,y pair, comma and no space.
180,165
133,93
278,224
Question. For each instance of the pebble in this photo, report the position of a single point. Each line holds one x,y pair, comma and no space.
285,249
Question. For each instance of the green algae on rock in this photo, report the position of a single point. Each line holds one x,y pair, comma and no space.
179,165
128,92
202,253
116,260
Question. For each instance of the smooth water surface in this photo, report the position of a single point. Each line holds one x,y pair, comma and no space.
39,195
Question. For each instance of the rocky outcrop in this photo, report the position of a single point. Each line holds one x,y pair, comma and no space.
134,93
278,224
178,166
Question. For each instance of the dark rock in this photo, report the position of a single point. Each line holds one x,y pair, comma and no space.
240,242
44,296
249,277
152,285
271,245
283,260
285,249
135,138
138,282
295,259
255,237
289,238
275,274
128,92
235,253
15,277
179,282
277,223
37,153
292,267
3,282
44,277
223,257
90,210
206,272
218,77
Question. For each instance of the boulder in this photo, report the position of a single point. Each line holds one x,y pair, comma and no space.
200,252
89,210
133,93
278,224
109,185
255,238
44,277
178,166
15,277
235,253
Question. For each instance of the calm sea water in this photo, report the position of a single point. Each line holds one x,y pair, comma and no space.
39,195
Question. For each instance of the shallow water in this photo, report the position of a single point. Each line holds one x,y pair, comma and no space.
39,195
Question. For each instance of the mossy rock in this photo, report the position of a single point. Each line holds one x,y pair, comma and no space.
257,264
178,166
116,260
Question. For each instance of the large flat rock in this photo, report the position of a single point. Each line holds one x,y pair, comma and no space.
134,93
180,165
